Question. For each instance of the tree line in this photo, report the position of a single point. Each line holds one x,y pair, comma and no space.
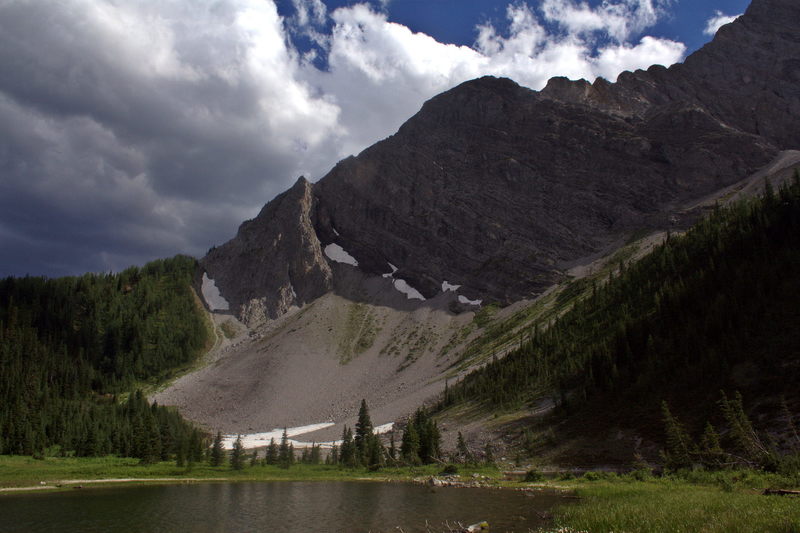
671,326
71,347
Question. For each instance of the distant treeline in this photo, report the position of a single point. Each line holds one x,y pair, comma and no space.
68,346
673,325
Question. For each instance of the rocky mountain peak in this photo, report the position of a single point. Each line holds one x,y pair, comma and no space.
495,187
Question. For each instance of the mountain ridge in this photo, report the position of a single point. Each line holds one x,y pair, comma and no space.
494,187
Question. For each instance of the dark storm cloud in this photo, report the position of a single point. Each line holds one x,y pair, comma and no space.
140,130
143,128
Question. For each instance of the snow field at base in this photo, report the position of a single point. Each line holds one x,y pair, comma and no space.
212,295
258,440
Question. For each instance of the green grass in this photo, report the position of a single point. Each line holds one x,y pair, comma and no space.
23,471
667,505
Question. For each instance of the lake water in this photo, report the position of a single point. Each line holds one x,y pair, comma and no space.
272,507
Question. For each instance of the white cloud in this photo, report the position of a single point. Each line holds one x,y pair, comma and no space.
717,21
176,120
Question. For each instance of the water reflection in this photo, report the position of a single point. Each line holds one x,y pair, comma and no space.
273,506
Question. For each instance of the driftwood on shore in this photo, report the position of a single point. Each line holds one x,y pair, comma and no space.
780,492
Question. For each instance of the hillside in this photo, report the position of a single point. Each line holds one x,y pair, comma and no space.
70,348
712,310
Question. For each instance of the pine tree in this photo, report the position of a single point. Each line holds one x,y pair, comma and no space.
217,452
348,454
237,454
409,445
462,451
254,458
679,444
272,453
363,430
284,458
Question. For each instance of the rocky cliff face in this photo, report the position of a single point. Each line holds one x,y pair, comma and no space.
495,187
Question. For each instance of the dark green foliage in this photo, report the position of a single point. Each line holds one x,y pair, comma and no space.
462,451
672,325
285,451
363,430
533,475
421,442
678,452
272,453
237,454
449,470
68,346
217,452
348,454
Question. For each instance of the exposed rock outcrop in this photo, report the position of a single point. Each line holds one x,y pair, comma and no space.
275,261
495,187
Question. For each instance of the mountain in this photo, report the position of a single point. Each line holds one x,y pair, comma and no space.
488,213
498,189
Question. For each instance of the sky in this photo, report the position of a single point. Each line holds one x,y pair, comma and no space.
137,129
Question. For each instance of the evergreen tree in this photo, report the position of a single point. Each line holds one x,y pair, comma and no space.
217,452
363,430
315,456
348,454
285,455
254,458
462,451
409,445
679,444
237,454
272,453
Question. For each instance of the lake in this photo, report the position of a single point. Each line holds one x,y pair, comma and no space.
272,507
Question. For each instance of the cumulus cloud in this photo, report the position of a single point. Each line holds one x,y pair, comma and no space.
717,21
134,130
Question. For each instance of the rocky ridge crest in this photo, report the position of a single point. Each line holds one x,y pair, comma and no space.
496,188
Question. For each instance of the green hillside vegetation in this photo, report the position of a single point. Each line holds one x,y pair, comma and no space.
714,309
69,346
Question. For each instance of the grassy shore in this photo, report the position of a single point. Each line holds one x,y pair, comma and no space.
23,471
707,502
728,502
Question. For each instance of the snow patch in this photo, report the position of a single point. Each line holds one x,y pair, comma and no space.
256,440
334,231
212,295
410,292
259,440
464,300
390,274
338,254
448,287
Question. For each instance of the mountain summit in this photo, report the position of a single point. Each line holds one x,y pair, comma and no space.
496,188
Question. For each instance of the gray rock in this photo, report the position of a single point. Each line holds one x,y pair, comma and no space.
495,187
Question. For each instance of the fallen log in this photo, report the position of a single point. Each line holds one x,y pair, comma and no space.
780,492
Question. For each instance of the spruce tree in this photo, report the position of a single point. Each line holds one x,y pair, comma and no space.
272,453
363,430
679,444
409,445
283,451
237,454
348,454
217,452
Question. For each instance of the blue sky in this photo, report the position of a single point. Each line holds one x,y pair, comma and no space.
140,129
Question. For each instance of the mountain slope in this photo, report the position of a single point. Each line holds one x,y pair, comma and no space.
496,188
